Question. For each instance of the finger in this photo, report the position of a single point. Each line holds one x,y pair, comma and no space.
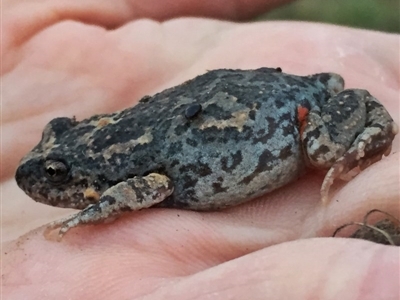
24,19
315,268
307,269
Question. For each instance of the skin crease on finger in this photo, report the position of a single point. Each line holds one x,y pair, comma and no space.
83,83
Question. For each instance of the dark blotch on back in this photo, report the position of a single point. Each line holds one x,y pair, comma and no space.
200,169
229,165
217,188
252,115
191,142
175,148
285,152
189,181
181,129
264,164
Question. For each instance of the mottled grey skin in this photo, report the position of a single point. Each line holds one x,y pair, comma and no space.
219,140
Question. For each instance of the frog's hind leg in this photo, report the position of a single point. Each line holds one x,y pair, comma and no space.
352,130
133,194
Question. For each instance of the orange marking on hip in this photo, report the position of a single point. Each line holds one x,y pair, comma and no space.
302,113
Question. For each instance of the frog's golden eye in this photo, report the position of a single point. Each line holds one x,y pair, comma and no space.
56,171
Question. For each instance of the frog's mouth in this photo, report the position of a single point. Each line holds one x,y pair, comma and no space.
56,197
69,196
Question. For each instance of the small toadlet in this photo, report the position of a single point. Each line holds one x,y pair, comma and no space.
218,140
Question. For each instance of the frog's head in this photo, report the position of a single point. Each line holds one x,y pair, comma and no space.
53,173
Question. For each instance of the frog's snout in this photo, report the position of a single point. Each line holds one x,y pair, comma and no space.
21,173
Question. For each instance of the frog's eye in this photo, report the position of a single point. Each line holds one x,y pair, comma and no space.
55,171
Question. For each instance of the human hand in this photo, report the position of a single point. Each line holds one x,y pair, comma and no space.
264,249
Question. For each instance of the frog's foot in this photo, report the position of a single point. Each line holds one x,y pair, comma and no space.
134,194
352,129
369,148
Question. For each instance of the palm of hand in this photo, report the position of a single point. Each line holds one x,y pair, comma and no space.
71,68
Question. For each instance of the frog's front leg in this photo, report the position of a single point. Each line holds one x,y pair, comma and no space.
133,194
351,129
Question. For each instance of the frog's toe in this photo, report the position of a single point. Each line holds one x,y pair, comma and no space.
62,226
66,226
336,171
374,143
353,158
369,148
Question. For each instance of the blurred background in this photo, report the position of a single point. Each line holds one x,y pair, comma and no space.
383,15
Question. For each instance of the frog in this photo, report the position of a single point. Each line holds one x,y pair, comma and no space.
221,139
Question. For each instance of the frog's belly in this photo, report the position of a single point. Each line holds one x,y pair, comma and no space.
219,178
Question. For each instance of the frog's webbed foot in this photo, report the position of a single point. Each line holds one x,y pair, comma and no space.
133,194
353,130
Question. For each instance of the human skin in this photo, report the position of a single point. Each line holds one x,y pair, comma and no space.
61,59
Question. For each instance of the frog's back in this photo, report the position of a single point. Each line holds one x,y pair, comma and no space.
240,140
